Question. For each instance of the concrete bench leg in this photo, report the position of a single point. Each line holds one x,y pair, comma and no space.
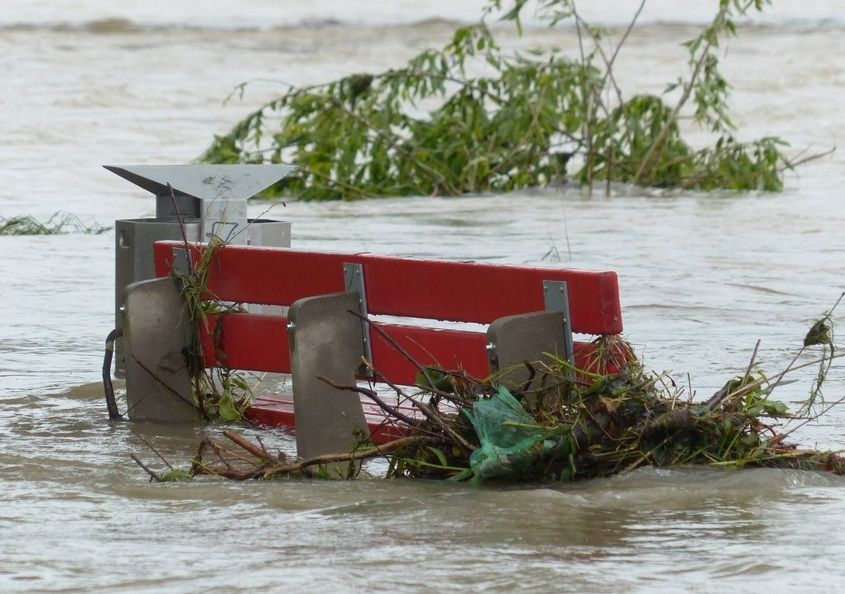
525,337
326,340
156,333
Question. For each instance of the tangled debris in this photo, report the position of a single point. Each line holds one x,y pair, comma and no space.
563,424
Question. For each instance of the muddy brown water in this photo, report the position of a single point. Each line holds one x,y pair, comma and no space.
702,276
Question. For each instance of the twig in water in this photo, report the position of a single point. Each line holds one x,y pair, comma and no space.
148,470
220,450
249,447
155,451
375,398
401,350
813,157
377,450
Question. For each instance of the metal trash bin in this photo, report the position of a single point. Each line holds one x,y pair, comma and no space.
205,200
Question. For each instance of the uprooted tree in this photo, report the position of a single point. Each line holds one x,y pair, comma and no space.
471,118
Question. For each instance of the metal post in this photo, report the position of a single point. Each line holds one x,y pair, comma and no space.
556,296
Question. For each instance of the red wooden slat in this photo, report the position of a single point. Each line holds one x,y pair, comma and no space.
458,350
444,348
246,341
278,412
459,291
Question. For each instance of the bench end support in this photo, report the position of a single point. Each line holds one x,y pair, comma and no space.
326,341
156,335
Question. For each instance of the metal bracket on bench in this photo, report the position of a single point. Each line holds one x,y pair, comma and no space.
325,342
156,334
512,340
182,261
353,277
556,296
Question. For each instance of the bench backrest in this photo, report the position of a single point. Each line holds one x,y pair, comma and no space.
431,289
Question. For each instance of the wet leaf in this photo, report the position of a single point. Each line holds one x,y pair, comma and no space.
775,408
440,457
226,410
175,475
439,380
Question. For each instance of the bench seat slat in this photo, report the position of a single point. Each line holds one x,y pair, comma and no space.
442,290
277,411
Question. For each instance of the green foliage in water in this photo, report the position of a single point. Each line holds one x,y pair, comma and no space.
175,475
59,223
221,395
571,424
470,118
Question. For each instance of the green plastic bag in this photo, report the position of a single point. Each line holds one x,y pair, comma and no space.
513,446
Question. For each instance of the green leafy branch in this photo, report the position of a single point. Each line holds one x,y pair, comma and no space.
470,118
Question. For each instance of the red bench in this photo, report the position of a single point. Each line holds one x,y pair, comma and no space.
501,296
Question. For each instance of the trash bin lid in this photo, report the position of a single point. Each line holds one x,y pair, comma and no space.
206,182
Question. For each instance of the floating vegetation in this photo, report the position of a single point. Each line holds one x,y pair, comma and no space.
59,223
563,424
221,395
533,119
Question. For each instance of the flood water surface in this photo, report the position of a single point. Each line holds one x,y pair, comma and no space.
702,278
